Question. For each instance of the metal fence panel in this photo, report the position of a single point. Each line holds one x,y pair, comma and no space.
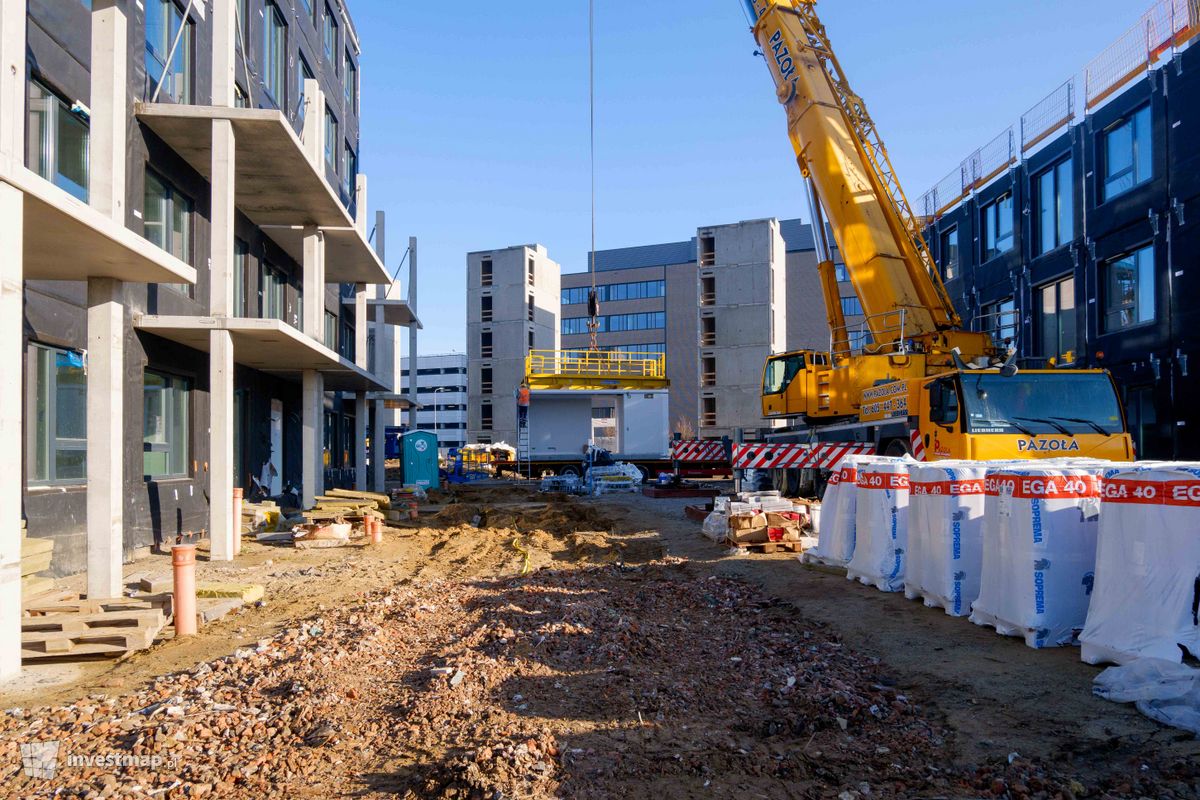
1048,116
1123,61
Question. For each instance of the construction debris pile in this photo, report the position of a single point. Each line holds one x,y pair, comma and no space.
338,519
602,682
765,520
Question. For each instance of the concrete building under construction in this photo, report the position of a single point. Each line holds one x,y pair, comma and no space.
184,293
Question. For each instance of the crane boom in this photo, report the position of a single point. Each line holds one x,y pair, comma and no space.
839,148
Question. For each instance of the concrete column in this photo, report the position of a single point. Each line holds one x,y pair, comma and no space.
412,332
220,358
313,133
109,79
360,325
12,229
378,443
312,435
360,441
220,438
12,85
313,323
224,58
105,437
224,216
378,448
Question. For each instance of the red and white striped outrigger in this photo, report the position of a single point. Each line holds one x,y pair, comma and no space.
698,450
822,455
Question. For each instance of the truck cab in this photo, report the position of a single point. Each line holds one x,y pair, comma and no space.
1037,414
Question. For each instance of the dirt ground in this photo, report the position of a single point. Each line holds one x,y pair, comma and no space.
523,645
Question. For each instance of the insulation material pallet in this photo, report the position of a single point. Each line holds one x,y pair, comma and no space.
881,524
1145,600
945,535
1039,552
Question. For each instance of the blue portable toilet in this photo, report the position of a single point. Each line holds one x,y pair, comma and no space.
420,454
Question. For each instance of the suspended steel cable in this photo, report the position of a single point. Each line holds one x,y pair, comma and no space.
593,296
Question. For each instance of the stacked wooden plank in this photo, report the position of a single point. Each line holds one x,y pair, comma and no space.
348,506
336,520
36,555
79,627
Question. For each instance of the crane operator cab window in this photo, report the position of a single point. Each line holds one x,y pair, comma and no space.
781,372
943,403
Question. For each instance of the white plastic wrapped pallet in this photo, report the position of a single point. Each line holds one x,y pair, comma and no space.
1146,603
945,535
1039,552
881,524
835,544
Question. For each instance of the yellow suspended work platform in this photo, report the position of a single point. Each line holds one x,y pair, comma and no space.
595,370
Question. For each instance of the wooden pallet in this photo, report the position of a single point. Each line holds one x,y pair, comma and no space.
774,547
110,633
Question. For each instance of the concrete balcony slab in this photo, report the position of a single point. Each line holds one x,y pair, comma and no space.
65,239
276,185
267,345
395,312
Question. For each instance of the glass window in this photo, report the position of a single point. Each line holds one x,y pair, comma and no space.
303,73
274,293
617,322
1055,207
840,271
169,72
350,78
655,349
331,330
241,277
331,37
331,139
1080,402
308,8
165,411
1000,320
613,292
950,253
998,227
56,141
349,171
780,373
275,54
1056,331
167,221
851,307
1128,290
1128,153
57,432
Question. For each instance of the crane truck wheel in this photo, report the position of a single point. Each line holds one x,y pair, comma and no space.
569,469
897,448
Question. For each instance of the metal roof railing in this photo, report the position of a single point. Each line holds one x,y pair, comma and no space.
597,364
1158,34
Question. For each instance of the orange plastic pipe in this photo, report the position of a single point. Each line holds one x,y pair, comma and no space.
183,561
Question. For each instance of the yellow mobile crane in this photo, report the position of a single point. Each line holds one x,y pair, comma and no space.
912,379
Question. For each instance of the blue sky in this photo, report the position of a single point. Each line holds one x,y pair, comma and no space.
475,116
